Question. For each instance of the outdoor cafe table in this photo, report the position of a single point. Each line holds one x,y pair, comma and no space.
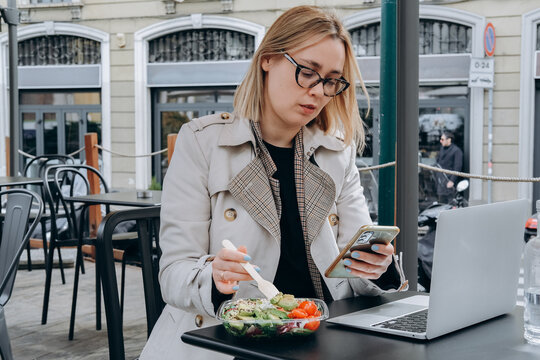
19,181
121,198
498,338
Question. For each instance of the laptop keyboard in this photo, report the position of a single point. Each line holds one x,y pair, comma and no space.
414,322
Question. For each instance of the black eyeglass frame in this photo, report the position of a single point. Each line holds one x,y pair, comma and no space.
321,79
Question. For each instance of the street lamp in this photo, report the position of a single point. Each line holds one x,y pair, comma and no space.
11,17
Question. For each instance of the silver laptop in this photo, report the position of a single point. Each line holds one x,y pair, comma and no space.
475,275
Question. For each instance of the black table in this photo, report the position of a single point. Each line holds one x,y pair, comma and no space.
19,181
121,198
499,338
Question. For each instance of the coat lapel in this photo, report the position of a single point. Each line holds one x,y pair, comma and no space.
251,188
320,192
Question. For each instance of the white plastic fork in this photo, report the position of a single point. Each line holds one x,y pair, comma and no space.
266,287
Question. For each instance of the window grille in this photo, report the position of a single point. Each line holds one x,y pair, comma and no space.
435,37
35,2
59,50
201,45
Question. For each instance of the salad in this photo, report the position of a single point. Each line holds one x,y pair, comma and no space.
284,315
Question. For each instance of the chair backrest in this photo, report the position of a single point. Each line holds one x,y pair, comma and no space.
61,181
15,235
148,233
44,161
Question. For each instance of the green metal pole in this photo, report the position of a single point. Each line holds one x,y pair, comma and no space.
407,138
388,114
12,18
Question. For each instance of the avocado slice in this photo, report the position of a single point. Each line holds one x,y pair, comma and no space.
238,325
275,313
288,302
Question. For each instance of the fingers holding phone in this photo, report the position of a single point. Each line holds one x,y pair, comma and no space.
368,253
370,265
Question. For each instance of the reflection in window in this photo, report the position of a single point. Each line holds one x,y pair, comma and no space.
50,133
29,132
195,96
94,124
435,37
60,98
538,37
72,120
201,45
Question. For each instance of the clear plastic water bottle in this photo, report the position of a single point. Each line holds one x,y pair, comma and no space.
532,286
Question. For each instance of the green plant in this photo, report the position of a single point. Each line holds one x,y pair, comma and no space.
154,185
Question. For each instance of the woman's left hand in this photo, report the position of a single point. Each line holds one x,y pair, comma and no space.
370,265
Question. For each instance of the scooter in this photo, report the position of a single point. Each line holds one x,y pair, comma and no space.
426,243
531,227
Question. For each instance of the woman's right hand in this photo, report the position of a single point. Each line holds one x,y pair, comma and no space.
227,271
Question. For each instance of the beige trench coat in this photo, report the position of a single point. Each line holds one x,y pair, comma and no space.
202,205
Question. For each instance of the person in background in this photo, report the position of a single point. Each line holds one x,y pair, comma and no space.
277,177
451,158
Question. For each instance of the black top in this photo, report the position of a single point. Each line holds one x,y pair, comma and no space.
292,276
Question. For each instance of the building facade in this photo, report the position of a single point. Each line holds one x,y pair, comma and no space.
135,71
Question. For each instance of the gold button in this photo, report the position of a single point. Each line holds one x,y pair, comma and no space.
334,219
198,320
225,116
230,214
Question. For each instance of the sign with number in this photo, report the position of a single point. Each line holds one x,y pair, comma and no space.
489,39
481,73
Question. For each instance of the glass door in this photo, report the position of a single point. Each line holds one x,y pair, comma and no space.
440,108
175,107
55,122
434,118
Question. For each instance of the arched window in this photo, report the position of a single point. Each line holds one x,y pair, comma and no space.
201,45
59,50
435,37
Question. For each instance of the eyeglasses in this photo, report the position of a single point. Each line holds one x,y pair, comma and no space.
309,78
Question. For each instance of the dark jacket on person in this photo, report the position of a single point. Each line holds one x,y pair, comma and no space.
450,158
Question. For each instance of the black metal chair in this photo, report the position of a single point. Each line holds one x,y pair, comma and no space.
15,236
35,168
148,233
71,180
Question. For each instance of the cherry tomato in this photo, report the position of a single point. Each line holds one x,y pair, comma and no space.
308,306
317,313
298,314
312,325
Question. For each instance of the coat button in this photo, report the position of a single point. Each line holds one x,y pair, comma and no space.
198,320
225,116
333,219
230,214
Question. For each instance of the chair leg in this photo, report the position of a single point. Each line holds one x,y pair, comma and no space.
5,346
44,237
48,275
83,271
61,265
75,289
123,283
28,257
98,295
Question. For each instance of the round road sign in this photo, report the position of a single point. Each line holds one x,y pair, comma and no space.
489,39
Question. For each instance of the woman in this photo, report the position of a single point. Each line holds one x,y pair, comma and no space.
277,177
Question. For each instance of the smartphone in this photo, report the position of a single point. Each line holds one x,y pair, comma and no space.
364,238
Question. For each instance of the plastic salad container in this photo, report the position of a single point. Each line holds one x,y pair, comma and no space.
259,318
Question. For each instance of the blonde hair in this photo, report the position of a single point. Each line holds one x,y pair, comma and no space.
341,113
